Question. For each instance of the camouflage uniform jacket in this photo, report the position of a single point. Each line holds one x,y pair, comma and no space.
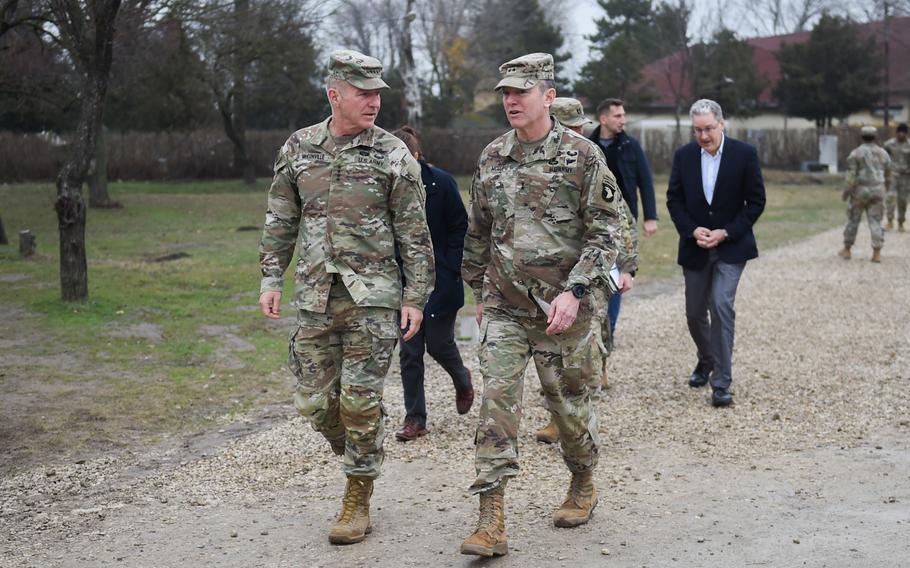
869,168
900,156
345,213
627,258
540,223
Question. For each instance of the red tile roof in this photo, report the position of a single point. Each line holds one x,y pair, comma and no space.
664,74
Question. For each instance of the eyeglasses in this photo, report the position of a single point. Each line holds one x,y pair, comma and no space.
705,130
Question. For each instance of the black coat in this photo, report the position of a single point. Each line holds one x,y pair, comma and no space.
633,175
448,223
739,199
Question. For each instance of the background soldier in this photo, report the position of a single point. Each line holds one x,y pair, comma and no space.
542,232
868,178
570,113
345,190
899,150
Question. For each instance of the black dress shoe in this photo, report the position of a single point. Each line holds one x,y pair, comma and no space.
721,397
698,378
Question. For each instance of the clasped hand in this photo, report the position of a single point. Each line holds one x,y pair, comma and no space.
708,239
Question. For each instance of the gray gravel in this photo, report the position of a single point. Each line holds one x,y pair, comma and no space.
810,467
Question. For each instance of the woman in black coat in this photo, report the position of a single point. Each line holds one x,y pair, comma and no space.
448,223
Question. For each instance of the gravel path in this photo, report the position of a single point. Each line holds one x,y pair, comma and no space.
810,468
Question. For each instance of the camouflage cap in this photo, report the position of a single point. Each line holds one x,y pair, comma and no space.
526,71
569,112
362,71
869,131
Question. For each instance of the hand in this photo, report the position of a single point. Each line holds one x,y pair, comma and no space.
650,227
410,320
479,315
700,234
626,281
562,313
270,304
712,239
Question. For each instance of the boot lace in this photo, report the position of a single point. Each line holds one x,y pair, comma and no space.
352,497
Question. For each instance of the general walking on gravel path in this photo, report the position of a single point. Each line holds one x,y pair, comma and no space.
543,233
344,192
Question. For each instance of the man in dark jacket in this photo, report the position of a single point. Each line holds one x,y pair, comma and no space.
715,195
448,223
629,164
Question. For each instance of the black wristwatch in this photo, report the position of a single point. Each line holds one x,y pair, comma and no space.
579,291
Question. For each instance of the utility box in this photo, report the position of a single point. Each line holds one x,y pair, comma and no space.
827,152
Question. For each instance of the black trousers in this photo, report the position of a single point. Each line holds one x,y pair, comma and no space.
436,337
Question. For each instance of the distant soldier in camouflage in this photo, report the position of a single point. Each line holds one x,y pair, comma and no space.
570,113
542,234
344,191
899,150
868,178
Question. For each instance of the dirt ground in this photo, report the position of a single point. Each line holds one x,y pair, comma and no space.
810,468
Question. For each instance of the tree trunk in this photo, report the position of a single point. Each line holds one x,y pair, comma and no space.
413,111
91,39
98,197
3,239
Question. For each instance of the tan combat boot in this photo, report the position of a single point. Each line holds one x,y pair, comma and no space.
844,253
548,434
900,228
353,523
889,225
580,501
489,538
605,380
876,255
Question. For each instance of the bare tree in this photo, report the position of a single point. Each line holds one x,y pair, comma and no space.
413,109
85,30
774,17
442,31
238,40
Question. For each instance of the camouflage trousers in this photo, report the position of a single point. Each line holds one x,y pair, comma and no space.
870,201
565,364
900,191
340,359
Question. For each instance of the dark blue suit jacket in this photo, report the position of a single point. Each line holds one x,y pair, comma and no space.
739,199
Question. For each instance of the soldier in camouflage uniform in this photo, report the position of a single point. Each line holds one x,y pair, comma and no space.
344,191
542,233
570,113
899,150
868,178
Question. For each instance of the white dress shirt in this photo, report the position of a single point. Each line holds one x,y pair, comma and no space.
709,167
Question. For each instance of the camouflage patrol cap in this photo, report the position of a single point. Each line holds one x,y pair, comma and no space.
869,131
362,71
526,71
569,112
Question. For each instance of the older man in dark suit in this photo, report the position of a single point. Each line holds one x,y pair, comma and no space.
716,193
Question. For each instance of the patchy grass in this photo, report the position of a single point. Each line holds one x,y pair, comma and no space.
134,354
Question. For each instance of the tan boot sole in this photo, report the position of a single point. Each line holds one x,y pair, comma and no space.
498,549
345,539
571,522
